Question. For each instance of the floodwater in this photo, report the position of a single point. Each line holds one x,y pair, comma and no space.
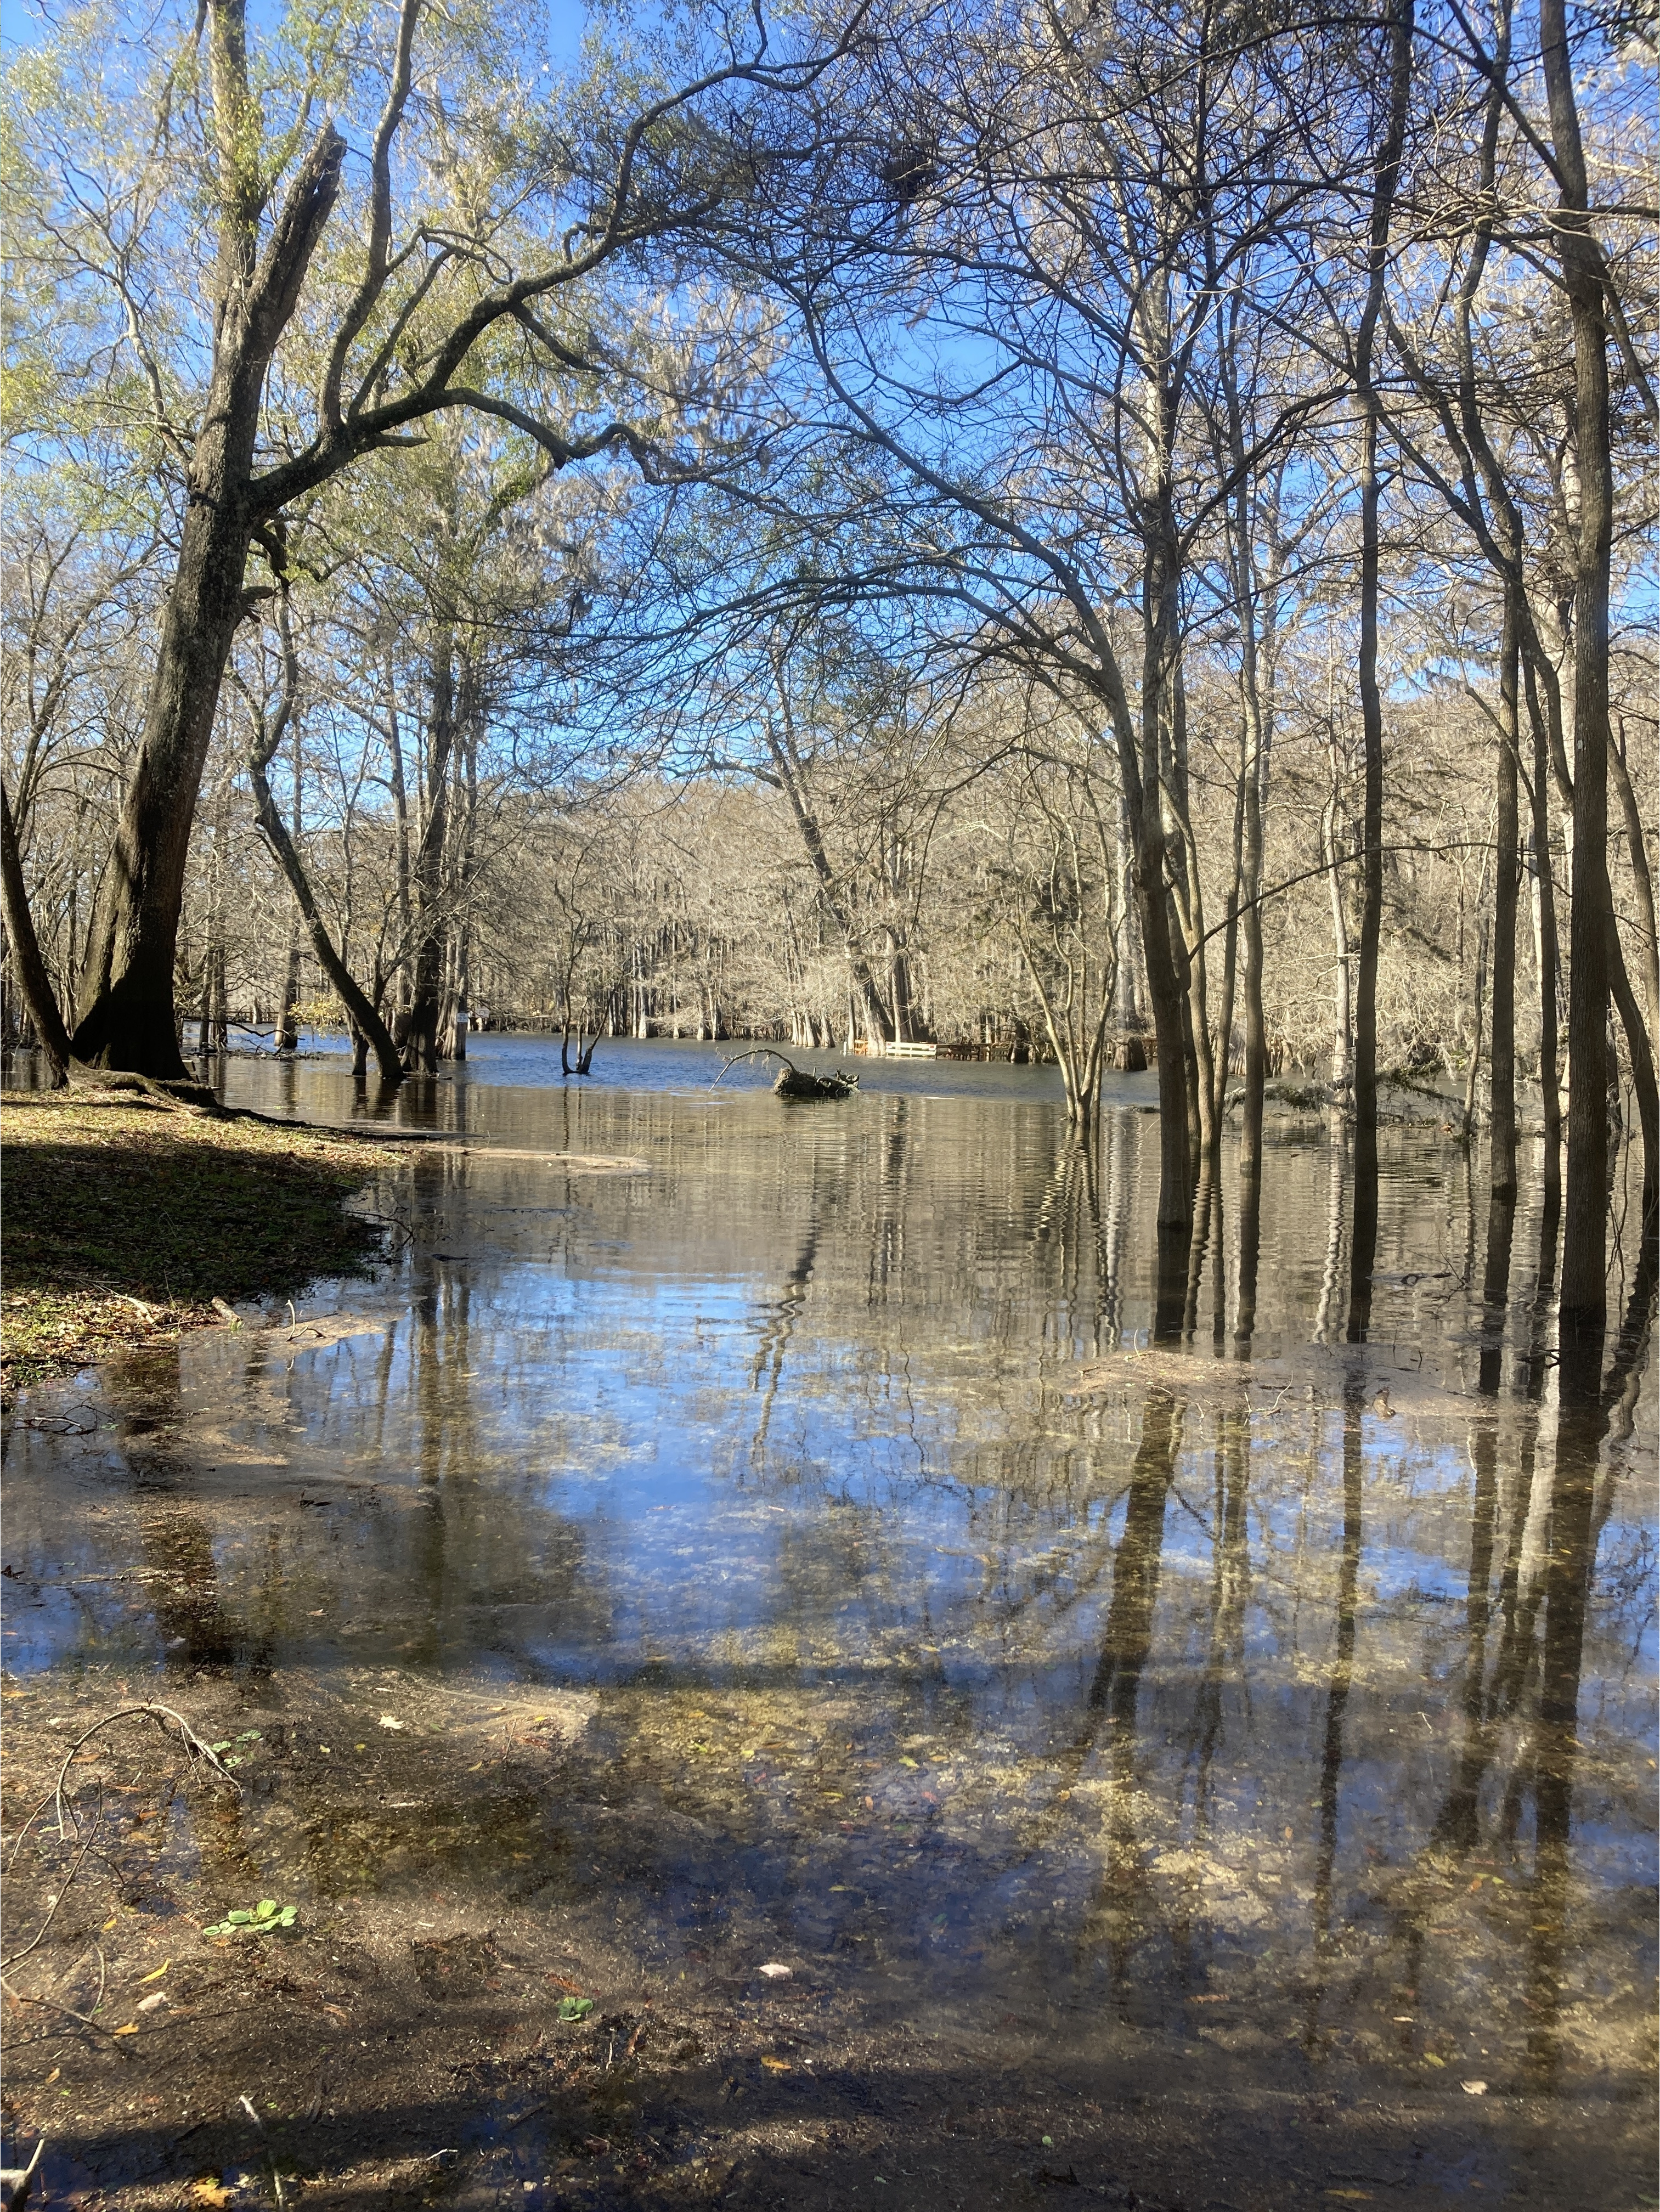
1257,1704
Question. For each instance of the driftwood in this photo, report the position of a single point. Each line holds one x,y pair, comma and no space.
795,1082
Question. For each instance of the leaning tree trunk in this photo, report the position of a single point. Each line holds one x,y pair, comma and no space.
366,1023
361,1017
125,1007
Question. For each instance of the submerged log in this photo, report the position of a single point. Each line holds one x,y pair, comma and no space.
795,1082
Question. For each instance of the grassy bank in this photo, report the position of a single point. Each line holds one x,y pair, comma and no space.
124,1220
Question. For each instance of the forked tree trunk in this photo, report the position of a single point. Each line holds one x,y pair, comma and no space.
879,1021
125,1006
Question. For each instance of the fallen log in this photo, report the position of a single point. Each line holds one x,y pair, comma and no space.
795,1082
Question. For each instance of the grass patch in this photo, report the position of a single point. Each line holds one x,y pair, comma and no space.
124,1221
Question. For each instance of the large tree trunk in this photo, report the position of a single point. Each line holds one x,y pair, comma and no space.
1590,907
1167,979
1385,177
125,1006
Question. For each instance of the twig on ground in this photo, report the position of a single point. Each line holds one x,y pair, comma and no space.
160,1715
17,1844
17,2179
68,2012
51,1911
252,2110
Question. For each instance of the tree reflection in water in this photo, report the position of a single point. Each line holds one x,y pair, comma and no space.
926,1525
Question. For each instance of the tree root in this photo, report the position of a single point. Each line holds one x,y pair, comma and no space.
185,1095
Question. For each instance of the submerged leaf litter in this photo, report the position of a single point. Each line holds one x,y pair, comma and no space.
756,1661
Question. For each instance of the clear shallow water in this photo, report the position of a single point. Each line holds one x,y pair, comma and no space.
1263,1703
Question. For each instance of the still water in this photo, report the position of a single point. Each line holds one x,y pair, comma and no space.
1259,1701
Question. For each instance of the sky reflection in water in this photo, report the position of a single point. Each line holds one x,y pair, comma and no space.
933,1623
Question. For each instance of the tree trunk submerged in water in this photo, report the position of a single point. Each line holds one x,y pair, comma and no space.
1592,937
363,1021
366,1025
1507,877
1385,177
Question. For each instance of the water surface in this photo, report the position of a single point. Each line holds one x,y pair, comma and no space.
1259,1704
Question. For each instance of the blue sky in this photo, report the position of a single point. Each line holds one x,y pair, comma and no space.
22,24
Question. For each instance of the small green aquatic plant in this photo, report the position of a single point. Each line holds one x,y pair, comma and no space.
227,1747
268,1917
574,2009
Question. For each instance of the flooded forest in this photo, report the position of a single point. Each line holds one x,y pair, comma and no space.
829,1004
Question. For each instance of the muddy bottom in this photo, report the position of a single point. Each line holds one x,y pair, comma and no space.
533,1963
750,1681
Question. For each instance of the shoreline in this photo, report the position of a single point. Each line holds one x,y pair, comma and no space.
128,1222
